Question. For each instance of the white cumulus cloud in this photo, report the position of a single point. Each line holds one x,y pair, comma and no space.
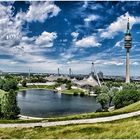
40,11
46,39
89,41
119,25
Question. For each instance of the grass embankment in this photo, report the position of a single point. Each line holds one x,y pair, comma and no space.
49,87
127,109
130,108
71,91
121,129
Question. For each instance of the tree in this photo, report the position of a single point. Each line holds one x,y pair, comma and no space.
1,83
9,107
111,94
97,89
103,99
130,86
0,109
104,89
126,97
10,84
24,83
68,86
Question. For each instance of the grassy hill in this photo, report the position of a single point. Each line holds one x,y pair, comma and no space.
122,129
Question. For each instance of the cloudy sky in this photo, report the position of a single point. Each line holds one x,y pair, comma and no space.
43,36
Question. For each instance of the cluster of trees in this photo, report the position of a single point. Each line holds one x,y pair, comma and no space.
61,81
37,79
8,83
129,94
8,106
8,102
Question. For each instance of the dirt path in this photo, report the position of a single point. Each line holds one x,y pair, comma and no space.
82,121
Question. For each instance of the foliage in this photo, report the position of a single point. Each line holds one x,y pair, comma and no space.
111,94
24,83
97,89
10,84
126,97
75,93
111,84
37,79
104,89
103,99
82,94
130,86
1,83
9,108
68,86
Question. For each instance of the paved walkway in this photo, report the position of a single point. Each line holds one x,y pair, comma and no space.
82,121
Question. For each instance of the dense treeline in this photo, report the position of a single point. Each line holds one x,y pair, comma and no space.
8,102
118,96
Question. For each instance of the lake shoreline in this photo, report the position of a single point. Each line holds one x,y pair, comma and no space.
54,90
39,99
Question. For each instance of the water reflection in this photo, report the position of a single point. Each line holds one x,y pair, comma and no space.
23,93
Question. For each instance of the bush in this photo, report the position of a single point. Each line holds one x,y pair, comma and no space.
104,89
75,94
129,86
97,89
10,84
82,94
103,99
24,83
68,86
126,97
9,108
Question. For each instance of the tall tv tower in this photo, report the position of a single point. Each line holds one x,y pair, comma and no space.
127,45
70,72
58,71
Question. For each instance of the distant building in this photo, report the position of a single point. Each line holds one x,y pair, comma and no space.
86,82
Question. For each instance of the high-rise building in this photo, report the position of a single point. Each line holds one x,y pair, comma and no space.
127,45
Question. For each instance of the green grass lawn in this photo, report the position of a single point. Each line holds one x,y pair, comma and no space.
121,129
49,87
71,91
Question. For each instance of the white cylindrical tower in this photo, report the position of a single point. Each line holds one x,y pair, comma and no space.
128,45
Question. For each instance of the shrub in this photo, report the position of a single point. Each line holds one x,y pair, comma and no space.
82,94
75,93
9,108
111,94
10,84
126,97
129,86
104,89
24,83
68,86
103,99
97,89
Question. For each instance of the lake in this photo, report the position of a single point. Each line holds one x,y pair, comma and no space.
44,103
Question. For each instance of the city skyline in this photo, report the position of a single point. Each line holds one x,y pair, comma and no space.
68,35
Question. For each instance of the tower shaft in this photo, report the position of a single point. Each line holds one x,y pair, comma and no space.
127,67
127,45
